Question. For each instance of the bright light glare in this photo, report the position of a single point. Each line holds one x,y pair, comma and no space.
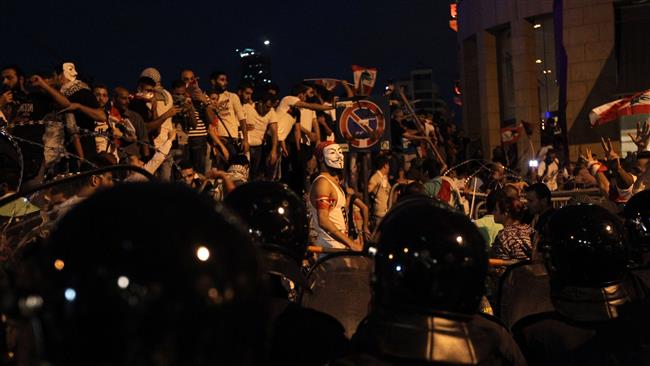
203,253
59,264
70,294
123,282
33,302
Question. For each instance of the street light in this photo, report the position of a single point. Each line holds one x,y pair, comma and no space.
267,42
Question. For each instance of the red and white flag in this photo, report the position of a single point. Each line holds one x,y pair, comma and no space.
636,104
328,83
510,135
364,79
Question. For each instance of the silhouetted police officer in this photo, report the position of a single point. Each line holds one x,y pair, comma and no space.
637,224
429,277
278,221
601,316
140,274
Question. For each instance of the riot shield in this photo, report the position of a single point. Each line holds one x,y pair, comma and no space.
523,290
339,285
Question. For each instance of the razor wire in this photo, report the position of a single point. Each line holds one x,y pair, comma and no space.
62,153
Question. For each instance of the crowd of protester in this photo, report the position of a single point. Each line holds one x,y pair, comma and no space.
472,260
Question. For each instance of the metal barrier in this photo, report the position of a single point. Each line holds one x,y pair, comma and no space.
492,262
558,198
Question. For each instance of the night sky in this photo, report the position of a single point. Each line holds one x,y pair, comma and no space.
112,41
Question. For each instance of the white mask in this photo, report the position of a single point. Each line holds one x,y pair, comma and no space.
69,71
333,156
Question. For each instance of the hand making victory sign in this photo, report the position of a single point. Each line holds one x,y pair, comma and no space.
642,136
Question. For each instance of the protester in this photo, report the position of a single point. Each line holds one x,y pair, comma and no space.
130,121
263,122
327,200
538,198
190,121
84,106
289,118
549,169
155,106
17,108
379,190
226,114
515,240
53,125
487,225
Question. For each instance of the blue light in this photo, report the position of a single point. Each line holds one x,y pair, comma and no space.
70,294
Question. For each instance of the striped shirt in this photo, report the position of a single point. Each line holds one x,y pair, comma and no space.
200,130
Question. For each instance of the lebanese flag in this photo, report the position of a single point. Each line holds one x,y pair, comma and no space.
510,135
528,127
636,104
364,79
114,113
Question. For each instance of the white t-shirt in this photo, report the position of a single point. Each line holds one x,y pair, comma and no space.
332,113
230,112
549,175
381,192
286,103
285,120
260,123
167,126
307,117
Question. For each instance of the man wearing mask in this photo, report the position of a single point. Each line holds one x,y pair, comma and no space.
327,201
82,104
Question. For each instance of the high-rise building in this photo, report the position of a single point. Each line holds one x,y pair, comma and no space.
423,91
255,67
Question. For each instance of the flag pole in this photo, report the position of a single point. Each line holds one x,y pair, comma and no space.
471,208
